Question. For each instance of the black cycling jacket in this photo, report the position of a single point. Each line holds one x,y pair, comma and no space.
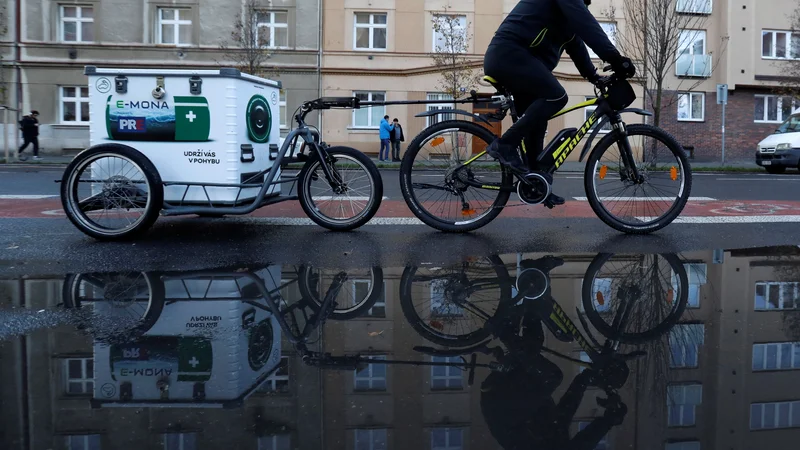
548,27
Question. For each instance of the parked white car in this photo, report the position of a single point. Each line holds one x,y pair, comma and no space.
781,149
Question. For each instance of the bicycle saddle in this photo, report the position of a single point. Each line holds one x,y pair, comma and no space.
495,84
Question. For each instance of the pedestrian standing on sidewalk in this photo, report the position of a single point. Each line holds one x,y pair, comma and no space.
385,135
397,138
30,134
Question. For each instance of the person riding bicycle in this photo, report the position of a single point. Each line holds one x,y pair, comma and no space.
522,55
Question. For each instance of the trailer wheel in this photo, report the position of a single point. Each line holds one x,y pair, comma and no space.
112,192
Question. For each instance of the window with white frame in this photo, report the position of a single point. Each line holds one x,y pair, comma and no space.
440,305
684,344
369,31
174,26
611,31
682,403
371,439
686,445
692,107
79,376
77,23
83,442
696,275
774,109
777,295
278,382
282,109
369,117
275,442
692,60
74,104
588,112
775,415
776,356
694,6
361,289
447,377
450,34
180,441
602,444
780,44
272,29
436,96
372,377
447,439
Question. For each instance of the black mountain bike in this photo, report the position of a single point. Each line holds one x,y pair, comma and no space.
637,178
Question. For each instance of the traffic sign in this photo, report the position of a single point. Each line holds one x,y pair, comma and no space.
722,94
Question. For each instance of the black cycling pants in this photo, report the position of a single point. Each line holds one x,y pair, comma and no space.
537,94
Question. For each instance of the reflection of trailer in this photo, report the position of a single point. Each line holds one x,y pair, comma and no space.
206,142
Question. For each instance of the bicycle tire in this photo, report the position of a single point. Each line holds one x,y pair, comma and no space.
406,168
633,338
589,183
444,339
374,202
357,310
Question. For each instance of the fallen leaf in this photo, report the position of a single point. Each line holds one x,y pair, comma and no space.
12,247
375,333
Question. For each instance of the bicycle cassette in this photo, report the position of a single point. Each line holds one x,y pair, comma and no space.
534,190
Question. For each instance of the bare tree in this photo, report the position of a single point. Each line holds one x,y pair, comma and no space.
247,47
457,76
3,31
660,34
790,69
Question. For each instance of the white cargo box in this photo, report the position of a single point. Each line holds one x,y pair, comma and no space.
198,126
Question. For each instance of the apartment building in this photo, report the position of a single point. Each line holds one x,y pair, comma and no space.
44,57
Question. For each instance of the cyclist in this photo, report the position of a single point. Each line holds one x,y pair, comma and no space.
522,55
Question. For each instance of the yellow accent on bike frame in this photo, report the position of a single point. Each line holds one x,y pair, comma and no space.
539,38
475,157
585,104
490,79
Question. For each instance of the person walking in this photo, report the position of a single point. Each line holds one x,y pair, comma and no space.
385,135
30,135
397,138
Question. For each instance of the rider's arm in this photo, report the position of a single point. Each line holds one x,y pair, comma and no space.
576,50
584,23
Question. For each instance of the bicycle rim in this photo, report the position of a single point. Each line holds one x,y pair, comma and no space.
344,207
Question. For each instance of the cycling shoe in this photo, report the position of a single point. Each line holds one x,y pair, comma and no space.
507,155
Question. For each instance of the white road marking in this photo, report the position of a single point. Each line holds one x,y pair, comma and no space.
26,197
640,199
760,179
344,198
730,219
293,221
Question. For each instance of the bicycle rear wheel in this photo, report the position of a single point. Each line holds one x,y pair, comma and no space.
645,206
436,191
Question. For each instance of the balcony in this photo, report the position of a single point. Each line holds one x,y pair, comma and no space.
694,6
693,66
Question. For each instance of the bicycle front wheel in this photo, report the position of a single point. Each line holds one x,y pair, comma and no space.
433,179
650,203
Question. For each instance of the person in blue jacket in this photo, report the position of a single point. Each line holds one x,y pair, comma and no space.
385,134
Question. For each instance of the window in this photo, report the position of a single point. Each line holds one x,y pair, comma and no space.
774,415
777,295
272,29
174,26
588,112
682,401
369,32
780,44
694,6
446,377
77,23
692,107
79,376
369,117
83,442
684,343
433,96
447,439
696,276
611,31
692,59
776,356
371,439
774,109
361,289
278,382
602,444
688,445
74,105
450,34
440,306
180,441
282,110
276,442
372,377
